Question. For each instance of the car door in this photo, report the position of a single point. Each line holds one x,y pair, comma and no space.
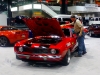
73,37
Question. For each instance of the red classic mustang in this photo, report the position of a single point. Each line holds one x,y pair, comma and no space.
51,43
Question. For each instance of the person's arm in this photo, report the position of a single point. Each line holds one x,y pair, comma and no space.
67,24
81,26
81,31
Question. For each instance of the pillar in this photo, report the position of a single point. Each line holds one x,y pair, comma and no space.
64,9
9,12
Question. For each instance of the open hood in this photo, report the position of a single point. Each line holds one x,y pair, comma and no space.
44,26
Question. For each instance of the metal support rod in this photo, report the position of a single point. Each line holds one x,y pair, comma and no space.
9,9
9,12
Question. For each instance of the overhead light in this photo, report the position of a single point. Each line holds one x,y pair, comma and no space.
14,9
29,6
37,6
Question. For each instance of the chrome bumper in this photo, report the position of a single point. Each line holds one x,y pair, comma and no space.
40,56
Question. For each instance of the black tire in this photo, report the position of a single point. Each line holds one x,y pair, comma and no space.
17,57
4,41
90,34
66,59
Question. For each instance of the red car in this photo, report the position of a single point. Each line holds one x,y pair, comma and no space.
10,35
51,43
85,30
94,30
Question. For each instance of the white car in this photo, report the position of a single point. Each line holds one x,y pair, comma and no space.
63,18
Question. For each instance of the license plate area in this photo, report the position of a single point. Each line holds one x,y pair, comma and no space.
36,50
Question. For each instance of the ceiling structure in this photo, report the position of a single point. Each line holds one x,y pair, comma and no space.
14,3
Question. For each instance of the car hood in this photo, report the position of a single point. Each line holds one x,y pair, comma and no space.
44,26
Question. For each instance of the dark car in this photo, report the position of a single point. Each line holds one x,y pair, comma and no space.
94,29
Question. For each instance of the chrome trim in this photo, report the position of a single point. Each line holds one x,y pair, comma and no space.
40,56
74,48
22,55
48,56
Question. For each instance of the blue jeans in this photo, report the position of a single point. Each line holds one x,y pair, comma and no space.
81,44
30,34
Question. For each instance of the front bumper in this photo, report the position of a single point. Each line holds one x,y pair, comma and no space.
96,32
38,57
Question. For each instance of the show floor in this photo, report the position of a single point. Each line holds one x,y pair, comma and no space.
88,64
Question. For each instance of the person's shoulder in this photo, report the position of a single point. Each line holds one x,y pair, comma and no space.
78,21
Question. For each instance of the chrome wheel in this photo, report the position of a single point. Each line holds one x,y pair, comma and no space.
66,59
90,34
3,41
69,56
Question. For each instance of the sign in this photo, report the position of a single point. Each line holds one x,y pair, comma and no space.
91,9
91,5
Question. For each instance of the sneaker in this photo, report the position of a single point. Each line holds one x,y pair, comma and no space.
84,53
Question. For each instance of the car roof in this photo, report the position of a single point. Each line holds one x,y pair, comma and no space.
63,16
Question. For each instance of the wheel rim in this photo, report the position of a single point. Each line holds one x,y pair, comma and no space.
90,33
3,41
68,56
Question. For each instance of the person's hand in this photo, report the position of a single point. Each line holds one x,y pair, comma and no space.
62,25
80,34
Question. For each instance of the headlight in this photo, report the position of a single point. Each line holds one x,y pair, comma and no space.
53,51
21,49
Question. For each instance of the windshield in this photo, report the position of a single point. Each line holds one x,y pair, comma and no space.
64,20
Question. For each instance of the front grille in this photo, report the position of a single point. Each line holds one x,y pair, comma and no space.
40,50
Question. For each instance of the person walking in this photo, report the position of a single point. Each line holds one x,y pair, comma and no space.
78,29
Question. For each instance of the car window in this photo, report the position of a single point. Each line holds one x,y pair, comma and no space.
13,28
59,19
96,19
73,32
92,19
67,19
66,31
9,28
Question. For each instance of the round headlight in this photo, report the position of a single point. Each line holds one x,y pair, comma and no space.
21,49
53,51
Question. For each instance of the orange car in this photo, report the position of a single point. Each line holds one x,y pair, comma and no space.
10,35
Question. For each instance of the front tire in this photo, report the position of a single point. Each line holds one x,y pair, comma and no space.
4,41
66,59
17,57
90,34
